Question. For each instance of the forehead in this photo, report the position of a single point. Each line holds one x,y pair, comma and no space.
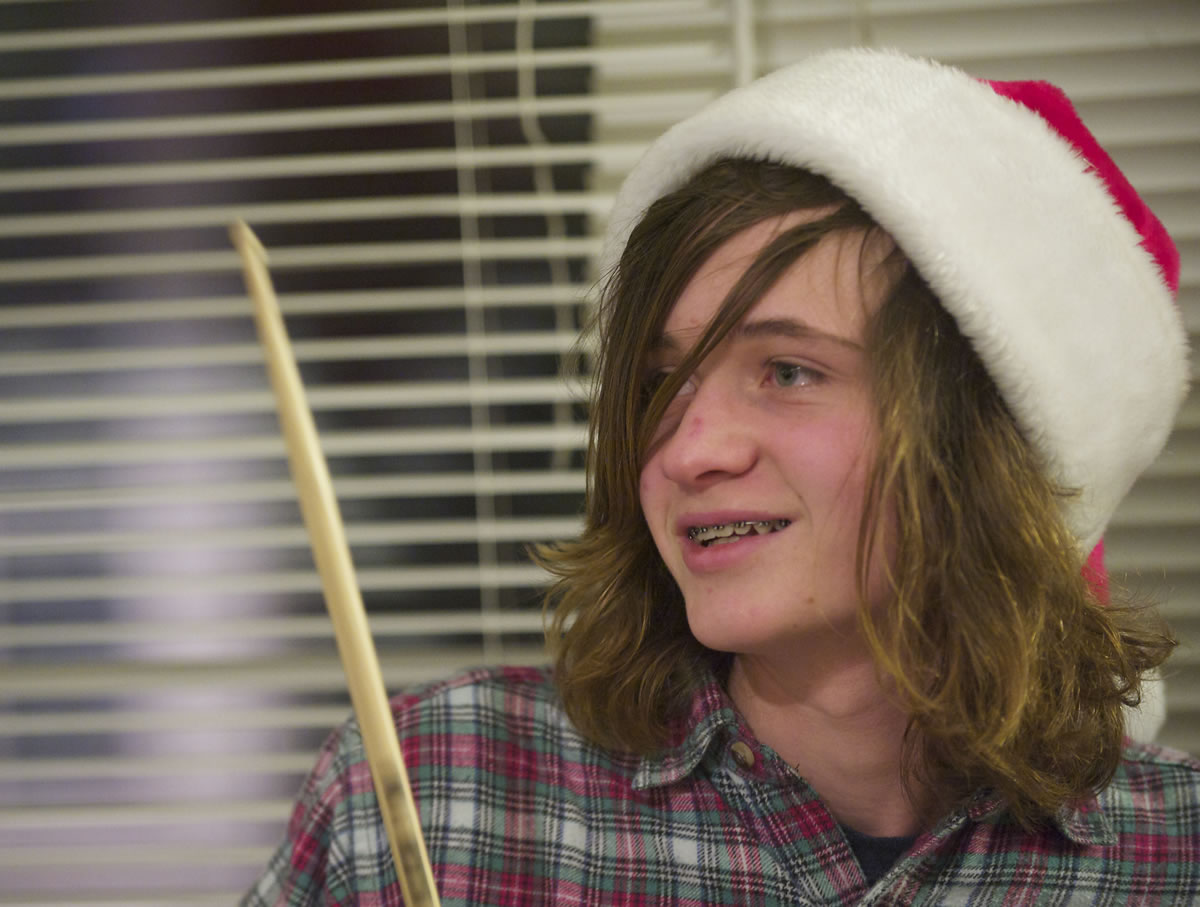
834,287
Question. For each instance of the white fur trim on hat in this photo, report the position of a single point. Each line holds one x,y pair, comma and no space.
999,214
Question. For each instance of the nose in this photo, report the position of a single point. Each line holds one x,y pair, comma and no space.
711,441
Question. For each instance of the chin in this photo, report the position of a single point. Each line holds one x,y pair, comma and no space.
726,628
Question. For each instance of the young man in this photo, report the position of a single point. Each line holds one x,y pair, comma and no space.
864,405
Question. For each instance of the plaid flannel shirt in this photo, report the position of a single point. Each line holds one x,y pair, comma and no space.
517,808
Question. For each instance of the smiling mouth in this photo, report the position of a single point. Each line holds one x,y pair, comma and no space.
725,533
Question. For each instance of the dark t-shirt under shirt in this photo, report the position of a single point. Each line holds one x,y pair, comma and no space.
876,855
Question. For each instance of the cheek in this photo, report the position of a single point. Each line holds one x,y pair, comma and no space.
646,488
650,496
832,459
829,468
667,425
654,496
858,457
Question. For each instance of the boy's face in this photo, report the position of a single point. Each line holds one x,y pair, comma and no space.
771,438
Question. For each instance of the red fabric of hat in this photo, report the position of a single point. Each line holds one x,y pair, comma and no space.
1052,105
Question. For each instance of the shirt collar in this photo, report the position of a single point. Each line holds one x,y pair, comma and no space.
1087,824
712,717
1084,824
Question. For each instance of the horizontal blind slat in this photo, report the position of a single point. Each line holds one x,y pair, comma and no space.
321,397
412,532
311,303
1110,27
195,356
209,30
410,624
141,767
656,106
1161,72
141,854
118,721
613,154
407,207
691,57
306,257
345,488
116,817
89,588
294,675
335,444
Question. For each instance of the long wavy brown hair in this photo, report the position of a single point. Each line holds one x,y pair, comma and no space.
1013,674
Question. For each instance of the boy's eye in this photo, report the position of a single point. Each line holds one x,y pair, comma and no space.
791,374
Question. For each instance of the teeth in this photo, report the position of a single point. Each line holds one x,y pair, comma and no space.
731,532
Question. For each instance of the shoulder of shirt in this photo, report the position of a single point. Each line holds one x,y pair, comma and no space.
516,697
511,684
1141,758
518,704
1152,778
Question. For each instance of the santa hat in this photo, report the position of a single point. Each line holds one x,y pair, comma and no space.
1055,270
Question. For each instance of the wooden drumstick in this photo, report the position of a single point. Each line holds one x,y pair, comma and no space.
310,473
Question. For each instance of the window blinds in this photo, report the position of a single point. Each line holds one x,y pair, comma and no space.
431,180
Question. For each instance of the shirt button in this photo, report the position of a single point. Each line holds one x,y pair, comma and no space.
742,754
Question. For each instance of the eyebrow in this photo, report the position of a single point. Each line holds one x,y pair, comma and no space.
769,327
790,327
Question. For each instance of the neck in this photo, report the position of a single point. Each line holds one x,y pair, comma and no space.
839,728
